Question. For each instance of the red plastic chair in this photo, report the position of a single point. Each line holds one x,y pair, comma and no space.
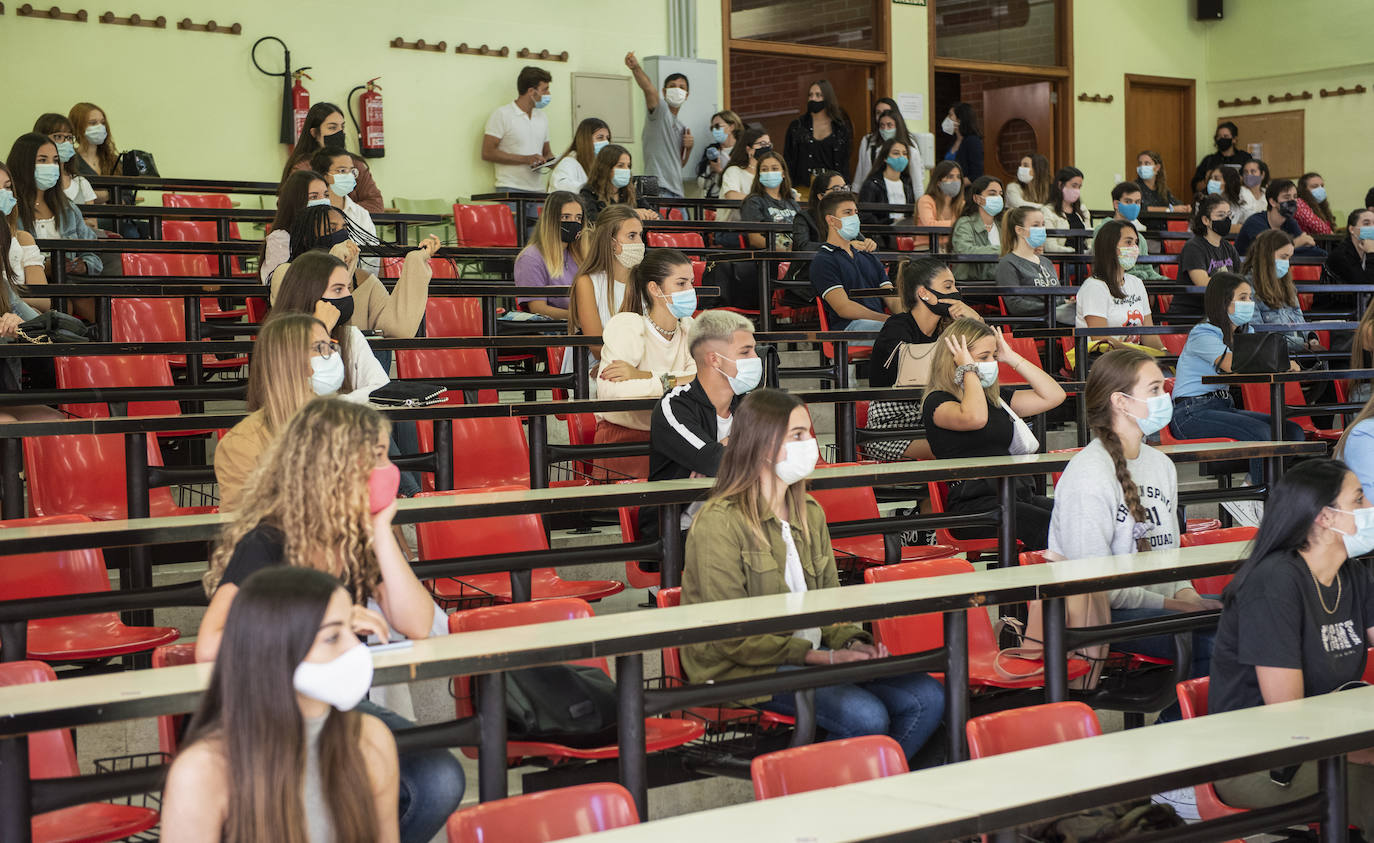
828,348
452,316
636,576
81,637
495,453
974,549
675,239
1214,585
1175,247
438,268
54,464
498,534
169,726
116,371
1022,346
1173,343
1192,700
856,504
169,264
1029,727
484,225
160,320
829,764
550,815
660,733
52,755
204,231
918,633
433,363
1256,398
196,200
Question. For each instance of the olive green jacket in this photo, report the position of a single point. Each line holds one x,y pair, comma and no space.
723,563
970,238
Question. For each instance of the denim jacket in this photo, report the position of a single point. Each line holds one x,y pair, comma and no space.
1287,314
72,226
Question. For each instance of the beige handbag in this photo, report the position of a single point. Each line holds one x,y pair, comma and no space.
1081,610
913,363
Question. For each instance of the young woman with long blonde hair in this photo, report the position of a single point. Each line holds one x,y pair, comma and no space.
552,256
614,247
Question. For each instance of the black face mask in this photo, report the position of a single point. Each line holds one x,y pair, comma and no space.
334,238
345,306
815,106
568,230
762,151
334,141
943,303
1222,226
1224,143
1288,208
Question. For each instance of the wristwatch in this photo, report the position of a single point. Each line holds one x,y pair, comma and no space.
668,381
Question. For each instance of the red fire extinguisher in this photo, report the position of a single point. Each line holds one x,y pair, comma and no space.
371,140
300,102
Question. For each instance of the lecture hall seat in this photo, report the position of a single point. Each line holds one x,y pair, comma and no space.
548,815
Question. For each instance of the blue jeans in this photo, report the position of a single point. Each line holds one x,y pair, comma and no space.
432,782
906,708
863,325
1211,417
1162,647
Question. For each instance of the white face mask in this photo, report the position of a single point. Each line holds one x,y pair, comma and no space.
948,126
800,461
1024,175
1361,541
748,373
675,96
342,682
327,374
631,255
987,372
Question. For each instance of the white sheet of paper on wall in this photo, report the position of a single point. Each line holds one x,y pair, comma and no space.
912,106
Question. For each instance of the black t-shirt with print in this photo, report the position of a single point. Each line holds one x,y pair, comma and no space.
991,440
1278,619
1198,253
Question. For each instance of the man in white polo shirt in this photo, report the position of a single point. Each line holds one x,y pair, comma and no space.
517,134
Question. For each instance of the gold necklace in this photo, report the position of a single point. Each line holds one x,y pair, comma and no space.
1321,599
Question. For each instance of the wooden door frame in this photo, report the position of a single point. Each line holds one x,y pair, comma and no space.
880,59
1189,88
1059,76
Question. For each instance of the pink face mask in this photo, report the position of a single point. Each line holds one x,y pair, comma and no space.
1071,194
381,487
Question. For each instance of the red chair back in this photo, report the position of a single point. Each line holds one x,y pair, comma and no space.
484,225
667,598
549,815
433,363
1215,585
169,726
829,764
1175,247
154,264
1173,343
1032,726
52,463
51,754
1256,398
675,239
1022,346
450,316
496,453
916,633
438,268
196,200
1192,696
47,574
116,371
636,576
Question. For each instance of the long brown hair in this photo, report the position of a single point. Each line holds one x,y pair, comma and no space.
942,365
291,198
599,176
107,153
581,147
303,286
250,716
279,370
8,279
600,257
1106,262
761,423
938,174
51,124
548,233
1116,371
784,189
1274,291
1323,208
1038,191
311,484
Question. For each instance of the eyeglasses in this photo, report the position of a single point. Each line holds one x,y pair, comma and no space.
346,171
325,348
61,138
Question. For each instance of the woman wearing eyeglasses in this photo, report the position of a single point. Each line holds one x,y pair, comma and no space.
337,167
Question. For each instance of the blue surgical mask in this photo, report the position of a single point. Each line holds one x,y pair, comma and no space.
65,151
682,304
1367,232
543,102
313,203
993,205
1129,210
771,179
1145,171
987,372
343,184
748,373
849,227
1280,267
97,134
718,134
620,177
1243,313
1361,541
1213,186
1159,412
1035,236
597,146
1318,193
46,175
7,201
897,162
887,134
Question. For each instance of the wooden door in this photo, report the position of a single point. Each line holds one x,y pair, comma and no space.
1160,117
1018,121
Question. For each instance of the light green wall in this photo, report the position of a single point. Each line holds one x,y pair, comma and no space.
194,100
910,56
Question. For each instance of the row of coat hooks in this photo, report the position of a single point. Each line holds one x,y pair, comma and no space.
1096,98
1342,91
466,49
160,22
1290,97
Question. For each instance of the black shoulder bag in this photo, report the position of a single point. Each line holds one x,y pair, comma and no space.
1259,353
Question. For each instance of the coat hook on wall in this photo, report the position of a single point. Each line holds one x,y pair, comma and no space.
158,22
1342,91
210,26
543,55
419,44
1290,97
1096,98
484,50
1237,102
53,13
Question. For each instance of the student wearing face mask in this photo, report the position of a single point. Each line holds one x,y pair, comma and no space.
1207,253
738,178
1349,262
726,128
1282,197
1313,212
976,231
571,169
1296,623
1228,154
26,262
551,258
1021,265
516,137
1113,297
610,183
324,128
961,123
615,248
761,533
41,208
930,302
324,497
967,414
667,143
647,350
1154,188
1267,265
302,189
1032,185
943,201
840,267
287,755
96,153
59,130
888,124
771,199
1254,178
889,183
820,138
293,360
337,168
1066,210
1126,204
1225,181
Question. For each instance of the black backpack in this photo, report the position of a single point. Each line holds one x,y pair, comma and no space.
574,705
136,162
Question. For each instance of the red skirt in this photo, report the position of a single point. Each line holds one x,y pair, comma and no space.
619,468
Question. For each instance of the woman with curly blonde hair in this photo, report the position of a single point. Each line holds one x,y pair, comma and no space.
322,497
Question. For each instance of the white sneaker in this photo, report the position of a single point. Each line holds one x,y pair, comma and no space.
1183,801
1245,513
